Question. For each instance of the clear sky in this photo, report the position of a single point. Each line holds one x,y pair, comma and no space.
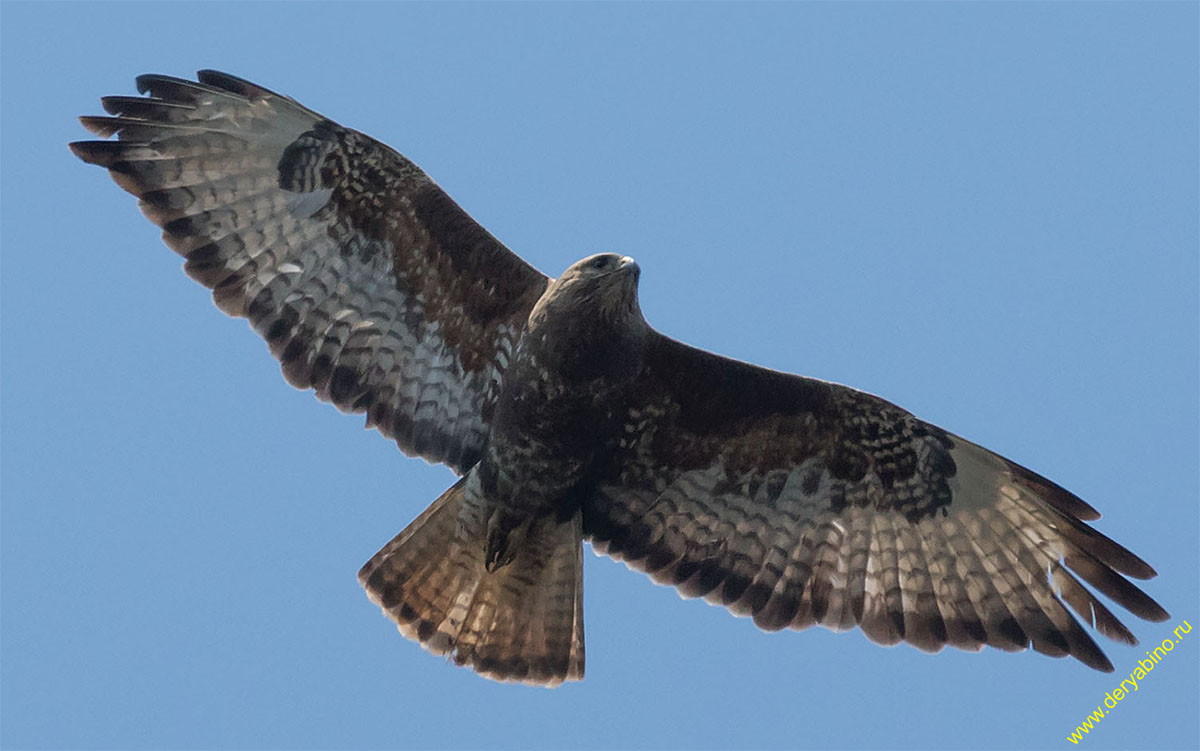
983,212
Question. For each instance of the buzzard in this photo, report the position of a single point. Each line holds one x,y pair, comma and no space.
791,500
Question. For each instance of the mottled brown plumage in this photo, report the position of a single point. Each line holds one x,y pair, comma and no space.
787,499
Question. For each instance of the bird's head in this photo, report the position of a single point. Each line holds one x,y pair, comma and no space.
599,286
588,321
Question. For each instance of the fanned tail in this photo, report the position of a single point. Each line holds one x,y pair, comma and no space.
522,622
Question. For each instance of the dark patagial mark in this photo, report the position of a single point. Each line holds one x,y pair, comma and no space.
300,166
848,463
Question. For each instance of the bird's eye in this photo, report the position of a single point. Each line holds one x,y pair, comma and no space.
600,263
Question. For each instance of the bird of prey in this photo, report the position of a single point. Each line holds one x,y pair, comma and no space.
791,500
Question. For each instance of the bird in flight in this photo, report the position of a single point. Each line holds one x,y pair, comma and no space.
788,499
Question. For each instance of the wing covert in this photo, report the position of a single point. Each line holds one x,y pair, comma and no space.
369,284
800,502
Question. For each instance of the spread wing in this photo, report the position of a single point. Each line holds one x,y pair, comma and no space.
369,284
801,502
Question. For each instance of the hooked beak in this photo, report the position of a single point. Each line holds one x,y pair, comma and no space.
630,266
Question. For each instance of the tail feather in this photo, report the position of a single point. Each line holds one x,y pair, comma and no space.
522,622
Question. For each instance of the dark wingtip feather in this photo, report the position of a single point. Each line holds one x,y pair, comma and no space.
1159,616
1090,609
1116,587
1085,649
99,125
147,108
1104,665
173,89
1053,493
1075,512
1108,550
233,84
81,149
102,153
136,128
148,81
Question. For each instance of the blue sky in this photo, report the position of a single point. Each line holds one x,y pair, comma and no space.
985,213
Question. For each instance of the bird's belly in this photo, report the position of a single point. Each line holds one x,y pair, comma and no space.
526,476
547,434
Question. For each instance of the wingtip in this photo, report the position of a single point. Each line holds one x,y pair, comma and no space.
146,80
233,84
220,79
1159,614
91,152
1053,493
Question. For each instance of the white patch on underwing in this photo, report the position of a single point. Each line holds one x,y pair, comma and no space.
981,477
